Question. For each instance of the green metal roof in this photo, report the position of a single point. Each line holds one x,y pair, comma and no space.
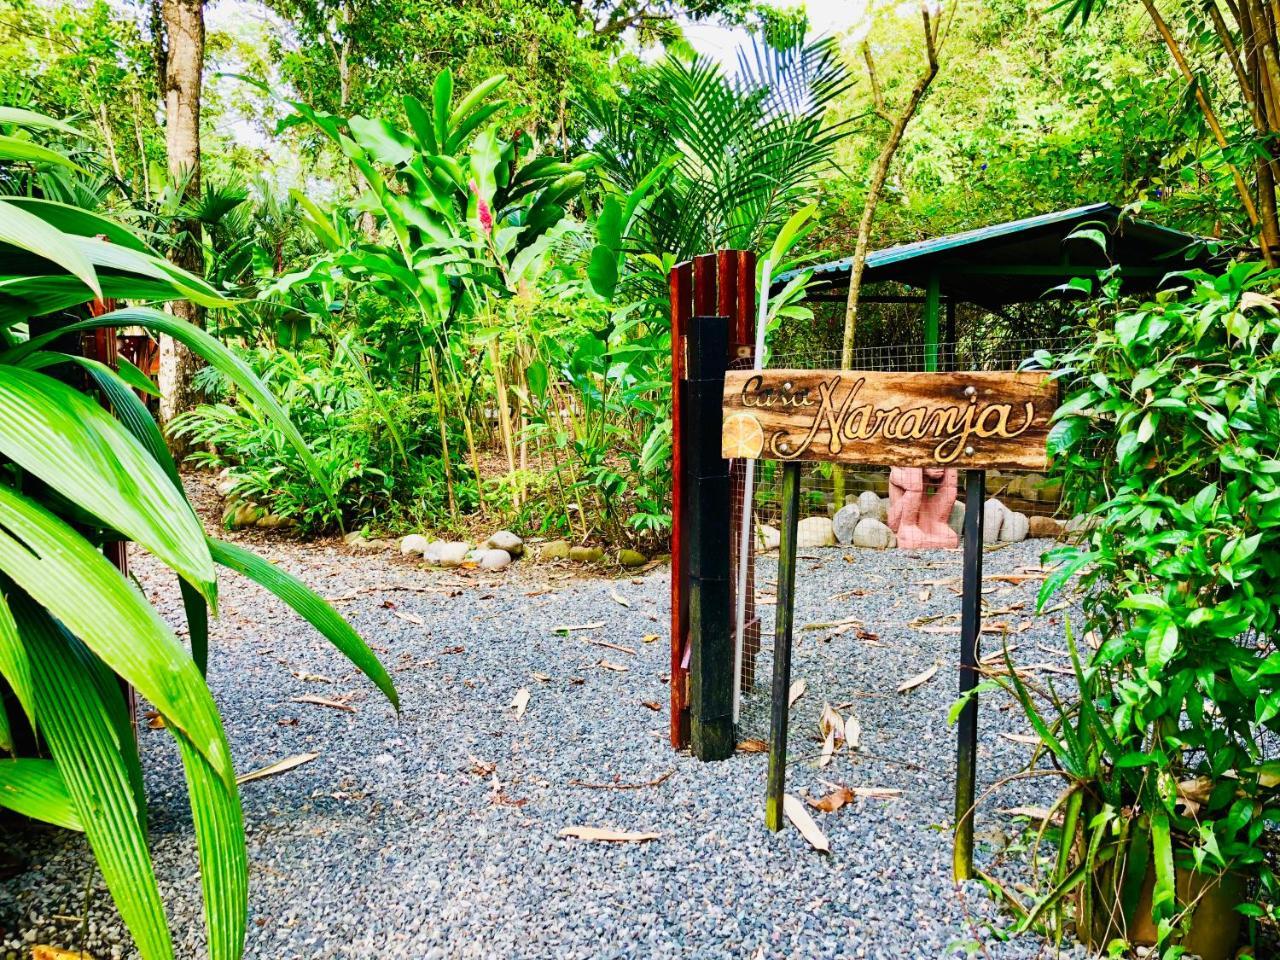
1023,260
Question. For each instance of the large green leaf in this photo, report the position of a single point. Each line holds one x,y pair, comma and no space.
36,121
35,788
80,707
28,232
84,223
16,148
77,448
14,665
136,418
224,861
202,344
60,569
310,606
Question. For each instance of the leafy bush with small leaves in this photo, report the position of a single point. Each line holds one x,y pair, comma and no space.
1169,438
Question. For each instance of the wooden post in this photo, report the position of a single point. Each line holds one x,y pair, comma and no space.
707,528
785,618
970,628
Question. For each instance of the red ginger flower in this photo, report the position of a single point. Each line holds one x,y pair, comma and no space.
482,208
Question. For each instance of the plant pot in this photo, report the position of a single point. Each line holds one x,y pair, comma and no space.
1215,922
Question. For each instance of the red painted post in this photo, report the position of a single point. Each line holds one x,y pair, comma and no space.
681,290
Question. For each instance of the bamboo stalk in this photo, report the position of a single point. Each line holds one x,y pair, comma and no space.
504,418
444,434
1206,109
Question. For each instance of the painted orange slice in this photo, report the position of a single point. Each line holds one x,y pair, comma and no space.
742,437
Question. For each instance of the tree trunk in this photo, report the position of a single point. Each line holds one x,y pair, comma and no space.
875,186
184,64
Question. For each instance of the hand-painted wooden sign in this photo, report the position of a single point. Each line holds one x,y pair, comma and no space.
970,421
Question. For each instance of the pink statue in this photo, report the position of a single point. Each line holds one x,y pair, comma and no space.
918,514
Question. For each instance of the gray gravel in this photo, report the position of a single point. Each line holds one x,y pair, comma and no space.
435,833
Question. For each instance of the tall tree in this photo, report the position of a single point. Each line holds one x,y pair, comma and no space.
931,30
1240,104
183,69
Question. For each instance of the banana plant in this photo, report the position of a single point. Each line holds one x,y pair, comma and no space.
75,479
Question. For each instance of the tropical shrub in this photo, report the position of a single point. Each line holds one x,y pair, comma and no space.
374,453
1169,439
76,480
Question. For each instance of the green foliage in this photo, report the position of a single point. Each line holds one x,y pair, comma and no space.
1168,437
72,627
360,472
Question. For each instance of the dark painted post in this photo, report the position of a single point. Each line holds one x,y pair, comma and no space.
783,623
711,735
970,627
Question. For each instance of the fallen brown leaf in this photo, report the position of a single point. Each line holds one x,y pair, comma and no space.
651,704
569,627
607,835
42,951
796,692
912,682
753,745
610,665
833,801
324,702
800,818
877,793
154,720
520,701
1030,739
1031,813
541,677
280,766
410,617
852,733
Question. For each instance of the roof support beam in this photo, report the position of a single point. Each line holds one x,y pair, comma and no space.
932,300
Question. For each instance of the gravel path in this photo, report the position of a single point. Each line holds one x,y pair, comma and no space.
435,833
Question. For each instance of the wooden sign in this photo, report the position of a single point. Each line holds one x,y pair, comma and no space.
970,421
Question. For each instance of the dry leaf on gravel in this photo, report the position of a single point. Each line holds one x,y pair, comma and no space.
1030,739
520,701
852,733
651,704
1039,814
541,677
42,951
154,720
828,748
311,677
649,638
610,665
753,745
912,682
410,617
324,702
801,820
606,835
570,627
877,793
280,766
619,598
833,801
797,691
